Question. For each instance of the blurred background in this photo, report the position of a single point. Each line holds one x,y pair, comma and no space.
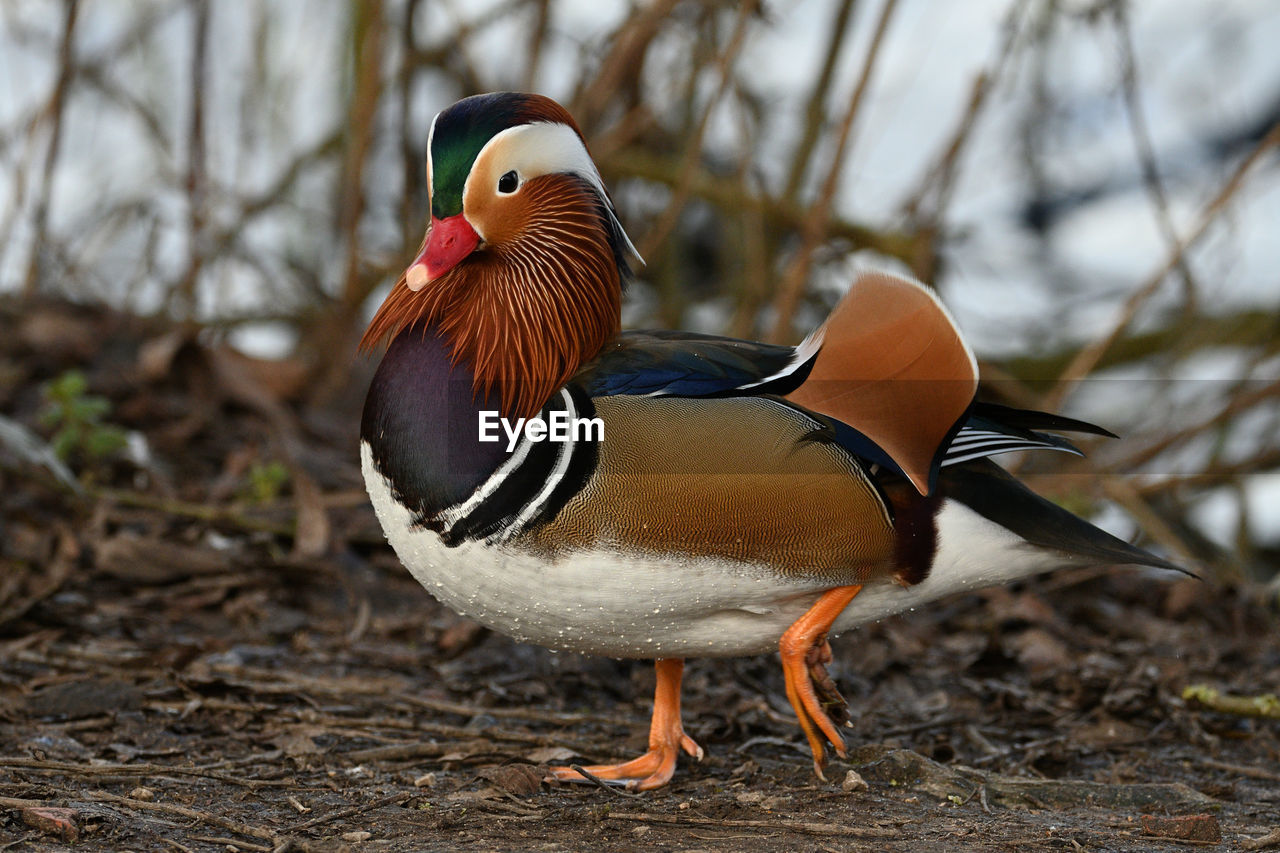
1092,187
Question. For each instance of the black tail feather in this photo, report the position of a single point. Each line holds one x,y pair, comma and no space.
1031,420
993,493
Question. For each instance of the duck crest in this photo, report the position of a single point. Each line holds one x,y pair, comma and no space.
459,134
527,314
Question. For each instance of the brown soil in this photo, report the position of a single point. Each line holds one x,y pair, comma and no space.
185,668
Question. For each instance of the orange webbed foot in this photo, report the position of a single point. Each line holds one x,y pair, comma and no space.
805,653
651,770
666,739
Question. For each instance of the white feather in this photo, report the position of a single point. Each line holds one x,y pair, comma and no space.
651,605
804,353
549,148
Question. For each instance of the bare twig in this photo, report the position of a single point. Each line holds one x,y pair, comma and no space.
1088,358
1123,491
180,811
223,515
1237,404
91,770
815,109
232,843
623,63
1218,475
412,156
343,814
517,713
537,40
1271,839
940,179
1146,151
1265,705
398,752
196,185
20,803
600,783
369,29
334,334
730,194
1240,769
657,234
55,109
813,228
803,827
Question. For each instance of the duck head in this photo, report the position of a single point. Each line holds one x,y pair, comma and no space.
523,264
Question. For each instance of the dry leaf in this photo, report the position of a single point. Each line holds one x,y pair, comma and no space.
515,778
550,754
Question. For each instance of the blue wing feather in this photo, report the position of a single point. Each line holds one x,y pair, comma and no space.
688,364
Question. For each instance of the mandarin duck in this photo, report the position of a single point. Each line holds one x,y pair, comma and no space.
664,495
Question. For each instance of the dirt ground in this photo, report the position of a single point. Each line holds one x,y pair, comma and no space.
192,659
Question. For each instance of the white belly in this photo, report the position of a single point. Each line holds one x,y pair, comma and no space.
637,606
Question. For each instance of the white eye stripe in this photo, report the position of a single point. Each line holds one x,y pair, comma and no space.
543,148
431,135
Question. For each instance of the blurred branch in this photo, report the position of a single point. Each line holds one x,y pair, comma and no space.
95,74
1219,475
537,39
1236,405
368,31
815,111
1122,490
1146,152
140,27
729,194
813,228
1088,358
753,272
55,110
619,72
1246,328
449,55
412,157
660,230
939,180
196,183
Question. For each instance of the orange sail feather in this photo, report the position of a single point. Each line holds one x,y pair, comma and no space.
894,367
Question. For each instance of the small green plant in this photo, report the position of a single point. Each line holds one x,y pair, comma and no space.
265,482
77,420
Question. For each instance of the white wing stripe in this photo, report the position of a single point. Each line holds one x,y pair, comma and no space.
804,353
994,450
530,510
452,515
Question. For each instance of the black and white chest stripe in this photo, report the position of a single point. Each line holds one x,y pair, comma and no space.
530,487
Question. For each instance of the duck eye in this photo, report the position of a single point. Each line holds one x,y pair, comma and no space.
508,183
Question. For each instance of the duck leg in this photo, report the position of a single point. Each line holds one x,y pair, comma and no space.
666,739
805,653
